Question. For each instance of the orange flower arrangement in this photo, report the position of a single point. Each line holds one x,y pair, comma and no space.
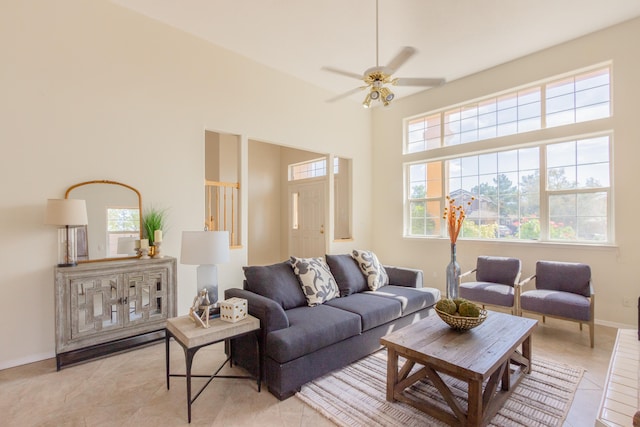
454,216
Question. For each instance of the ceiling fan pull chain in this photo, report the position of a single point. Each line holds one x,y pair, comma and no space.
377,45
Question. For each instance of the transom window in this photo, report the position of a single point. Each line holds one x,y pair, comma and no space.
579,98
536,190
312,169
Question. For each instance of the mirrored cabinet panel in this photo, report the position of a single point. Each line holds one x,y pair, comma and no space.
94,301
111,306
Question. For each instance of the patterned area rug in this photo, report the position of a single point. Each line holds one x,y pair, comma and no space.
356,396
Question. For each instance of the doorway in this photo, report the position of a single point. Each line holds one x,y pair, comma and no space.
307,218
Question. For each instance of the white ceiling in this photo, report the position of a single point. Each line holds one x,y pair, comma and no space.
454,38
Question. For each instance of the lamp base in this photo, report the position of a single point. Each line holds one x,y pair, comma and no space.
67,246
208,279
72,264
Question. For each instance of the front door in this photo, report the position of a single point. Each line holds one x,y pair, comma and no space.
306,219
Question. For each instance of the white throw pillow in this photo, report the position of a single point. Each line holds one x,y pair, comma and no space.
316,280
375,273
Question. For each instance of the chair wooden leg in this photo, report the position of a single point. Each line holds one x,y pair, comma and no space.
543,319
592,328
580,325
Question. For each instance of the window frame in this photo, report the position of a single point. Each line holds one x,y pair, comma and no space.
542,138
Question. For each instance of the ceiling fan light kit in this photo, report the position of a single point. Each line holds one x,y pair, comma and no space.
375,78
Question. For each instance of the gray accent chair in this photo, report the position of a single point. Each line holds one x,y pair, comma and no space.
563,290
495,282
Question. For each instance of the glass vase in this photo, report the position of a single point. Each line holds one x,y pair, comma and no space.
453,275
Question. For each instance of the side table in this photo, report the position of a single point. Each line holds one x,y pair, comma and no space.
193,338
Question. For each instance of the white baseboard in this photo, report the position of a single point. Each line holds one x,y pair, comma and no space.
615,324
25,360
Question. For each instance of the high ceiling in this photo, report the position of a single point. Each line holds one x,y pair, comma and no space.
454,38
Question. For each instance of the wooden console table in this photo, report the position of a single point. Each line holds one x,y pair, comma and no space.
110,306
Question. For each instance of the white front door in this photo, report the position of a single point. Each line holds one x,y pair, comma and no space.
306,219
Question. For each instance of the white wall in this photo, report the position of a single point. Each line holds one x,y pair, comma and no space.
614,269
91,90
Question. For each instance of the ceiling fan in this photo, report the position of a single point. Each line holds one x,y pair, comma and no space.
375,78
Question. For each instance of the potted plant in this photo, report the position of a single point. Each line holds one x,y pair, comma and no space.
153,219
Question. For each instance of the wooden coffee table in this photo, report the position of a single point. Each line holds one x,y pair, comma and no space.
484,357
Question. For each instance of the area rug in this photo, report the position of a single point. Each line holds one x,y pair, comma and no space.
356,396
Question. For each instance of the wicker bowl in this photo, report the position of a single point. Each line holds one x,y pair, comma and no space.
462,323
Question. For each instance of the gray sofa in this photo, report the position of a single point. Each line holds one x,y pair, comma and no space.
300,343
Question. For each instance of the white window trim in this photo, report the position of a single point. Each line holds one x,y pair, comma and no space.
541,138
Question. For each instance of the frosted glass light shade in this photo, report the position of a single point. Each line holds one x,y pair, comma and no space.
205,247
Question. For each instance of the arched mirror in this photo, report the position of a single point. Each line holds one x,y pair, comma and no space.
115,220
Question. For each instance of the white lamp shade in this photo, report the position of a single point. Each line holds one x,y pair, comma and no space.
204,247
66,212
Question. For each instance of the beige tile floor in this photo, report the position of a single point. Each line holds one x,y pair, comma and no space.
129,389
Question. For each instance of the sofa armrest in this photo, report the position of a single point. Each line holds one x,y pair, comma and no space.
402,276
271,314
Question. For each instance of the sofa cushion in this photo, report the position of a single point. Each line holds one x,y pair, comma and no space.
318,284
402,276
494,269
411,299
372,310
488,293
348,275
371,268
311,329
556,303
564,276
277,282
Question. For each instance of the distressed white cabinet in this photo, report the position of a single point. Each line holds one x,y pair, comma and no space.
105,307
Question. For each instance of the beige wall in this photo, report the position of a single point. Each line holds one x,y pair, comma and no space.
268,204
91,90
94,91
265,209
614,268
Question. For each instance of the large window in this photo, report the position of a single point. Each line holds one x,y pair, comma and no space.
557,190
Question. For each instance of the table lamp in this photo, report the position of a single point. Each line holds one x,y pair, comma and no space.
68,214
206,249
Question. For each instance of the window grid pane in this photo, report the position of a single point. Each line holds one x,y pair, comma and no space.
310,169
574,99
499,196
577,172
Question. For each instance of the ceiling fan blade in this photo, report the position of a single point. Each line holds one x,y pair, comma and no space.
418,82
346,94
402,57
342,72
